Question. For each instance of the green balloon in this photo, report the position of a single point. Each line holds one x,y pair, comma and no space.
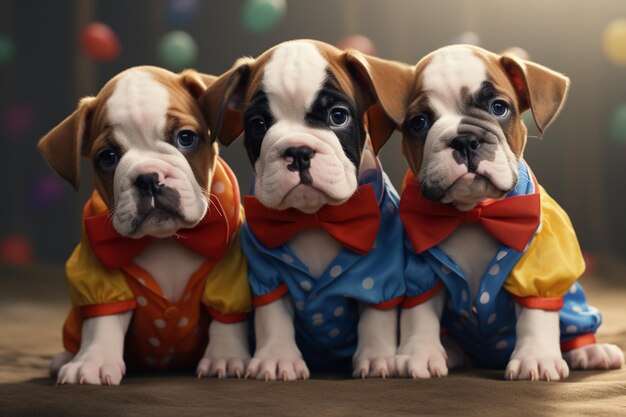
177,50
618,124
262,15
7,49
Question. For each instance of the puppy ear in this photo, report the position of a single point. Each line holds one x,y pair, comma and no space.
388,83
62,146
222,103
538,88
195,82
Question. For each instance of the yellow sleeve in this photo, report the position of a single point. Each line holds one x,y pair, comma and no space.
226,292
90,284
553,261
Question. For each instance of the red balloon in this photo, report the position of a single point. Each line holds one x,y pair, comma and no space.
359,42
16,250
99,42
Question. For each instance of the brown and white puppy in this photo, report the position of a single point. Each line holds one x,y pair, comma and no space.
145,121
463,136
307,96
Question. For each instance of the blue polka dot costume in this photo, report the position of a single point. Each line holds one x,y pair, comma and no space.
485,326
327,308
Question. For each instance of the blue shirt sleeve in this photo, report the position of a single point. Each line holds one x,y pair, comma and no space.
262,275
421,281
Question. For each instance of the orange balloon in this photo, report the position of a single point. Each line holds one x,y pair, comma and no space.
99,42
359,42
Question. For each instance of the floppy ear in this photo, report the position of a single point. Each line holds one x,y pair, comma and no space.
388,82
195,82
222,103
62,146
538,88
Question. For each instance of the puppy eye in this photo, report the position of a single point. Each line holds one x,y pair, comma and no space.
499,108
257,127
419,124
187,140
108,159
338,116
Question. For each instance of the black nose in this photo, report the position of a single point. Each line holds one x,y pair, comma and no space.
148,184
301,155
466,145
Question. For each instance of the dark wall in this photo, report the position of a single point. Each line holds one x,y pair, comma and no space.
575,161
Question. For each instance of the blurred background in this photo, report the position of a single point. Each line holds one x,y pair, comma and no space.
54,52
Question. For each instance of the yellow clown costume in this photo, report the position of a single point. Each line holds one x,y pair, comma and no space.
540,273
163,334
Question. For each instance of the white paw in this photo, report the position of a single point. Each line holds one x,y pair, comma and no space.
231,367
92,368
532,365
270,369
596,356
58,361
425,360
374,367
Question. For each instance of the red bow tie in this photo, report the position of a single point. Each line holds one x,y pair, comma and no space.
354,223
512,221
209,238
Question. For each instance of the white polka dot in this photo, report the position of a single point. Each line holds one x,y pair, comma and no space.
318,319
577,309
445,269
573,289
160,323
142,281
183,322
491,319
494,270
142,301
368,283
154,341
501,345
335,271
300,305
571,329
150,360
334,332
501,255
218,187
503,329
464,295
390,207
338,311
484,298
287,258
306,285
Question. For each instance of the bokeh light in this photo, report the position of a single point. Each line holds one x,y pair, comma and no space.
99,42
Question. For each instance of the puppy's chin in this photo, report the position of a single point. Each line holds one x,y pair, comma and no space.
469,190
307,199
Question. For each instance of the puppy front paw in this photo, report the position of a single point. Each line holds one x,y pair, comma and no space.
94,369
595,356
424,360
272,368
374,367
221,367
528,364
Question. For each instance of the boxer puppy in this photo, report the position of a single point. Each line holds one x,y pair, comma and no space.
153,165
301,108
463,137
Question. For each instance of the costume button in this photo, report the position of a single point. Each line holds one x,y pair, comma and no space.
171,313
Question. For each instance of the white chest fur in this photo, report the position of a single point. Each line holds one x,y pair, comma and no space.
170,264
472,249
316,249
